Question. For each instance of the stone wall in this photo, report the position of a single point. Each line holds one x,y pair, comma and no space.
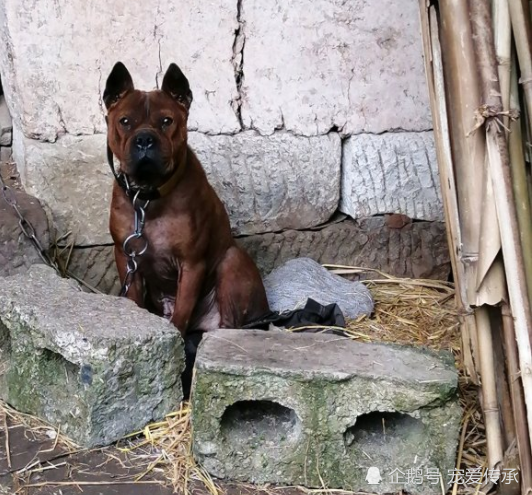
301,109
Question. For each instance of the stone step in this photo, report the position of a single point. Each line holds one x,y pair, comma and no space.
97,367
314,410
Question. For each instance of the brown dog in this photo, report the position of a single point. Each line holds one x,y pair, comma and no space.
192,271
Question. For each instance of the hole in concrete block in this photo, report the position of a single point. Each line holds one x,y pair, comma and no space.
384,433
57,368
5,348
260,423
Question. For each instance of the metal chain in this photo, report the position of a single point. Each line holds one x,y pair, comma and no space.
129,250
25,225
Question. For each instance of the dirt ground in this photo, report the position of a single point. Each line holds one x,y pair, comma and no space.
39,467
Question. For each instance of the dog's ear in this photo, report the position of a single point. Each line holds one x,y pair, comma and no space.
118,84
176,85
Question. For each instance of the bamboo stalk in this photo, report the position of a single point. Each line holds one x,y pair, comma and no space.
518,402
503,49
436,84
501,380
519,183
520,16
500,173
489,389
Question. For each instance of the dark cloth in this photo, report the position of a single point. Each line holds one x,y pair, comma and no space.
312,314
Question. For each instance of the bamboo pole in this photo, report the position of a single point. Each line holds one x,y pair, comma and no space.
518,402
520,16
461,81
502,29
436,84
500,172
489,389
519,182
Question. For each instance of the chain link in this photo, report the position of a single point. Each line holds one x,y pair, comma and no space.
129,250
25,225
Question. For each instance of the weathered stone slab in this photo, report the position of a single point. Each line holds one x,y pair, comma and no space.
267,183
97,367
416,250
72,177
310,409
55,87
339,63
272,183
17,253
6,125
391,173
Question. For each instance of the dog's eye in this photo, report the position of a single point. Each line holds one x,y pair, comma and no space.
124,121
167,121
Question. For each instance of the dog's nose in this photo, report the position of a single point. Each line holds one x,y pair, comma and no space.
144,141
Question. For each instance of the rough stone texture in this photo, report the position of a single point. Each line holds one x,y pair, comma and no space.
272,183
95,266
6,125
72,177
290,285
267,183
17,253
338,63
391,173
304,409
58,55
96,366
5,153
417,250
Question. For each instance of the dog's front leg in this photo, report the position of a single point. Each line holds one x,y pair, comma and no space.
191,276
135,292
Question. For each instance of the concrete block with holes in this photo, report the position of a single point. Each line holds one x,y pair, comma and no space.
97,367
315,410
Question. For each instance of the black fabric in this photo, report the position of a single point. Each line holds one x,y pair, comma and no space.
192,341
313,314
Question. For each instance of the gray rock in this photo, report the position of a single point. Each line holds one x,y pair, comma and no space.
97,367
315,410
267,183
6,125
391,173
354,65
289,286
17,253
55,91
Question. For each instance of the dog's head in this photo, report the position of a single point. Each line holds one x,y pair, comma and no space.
147,131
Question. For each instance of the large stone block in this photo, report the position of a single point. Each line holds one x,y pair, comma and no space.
316,410
17,252
416,250
267,183
6,124
72,178
391,173
97,367
275,182
56,56
311,66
